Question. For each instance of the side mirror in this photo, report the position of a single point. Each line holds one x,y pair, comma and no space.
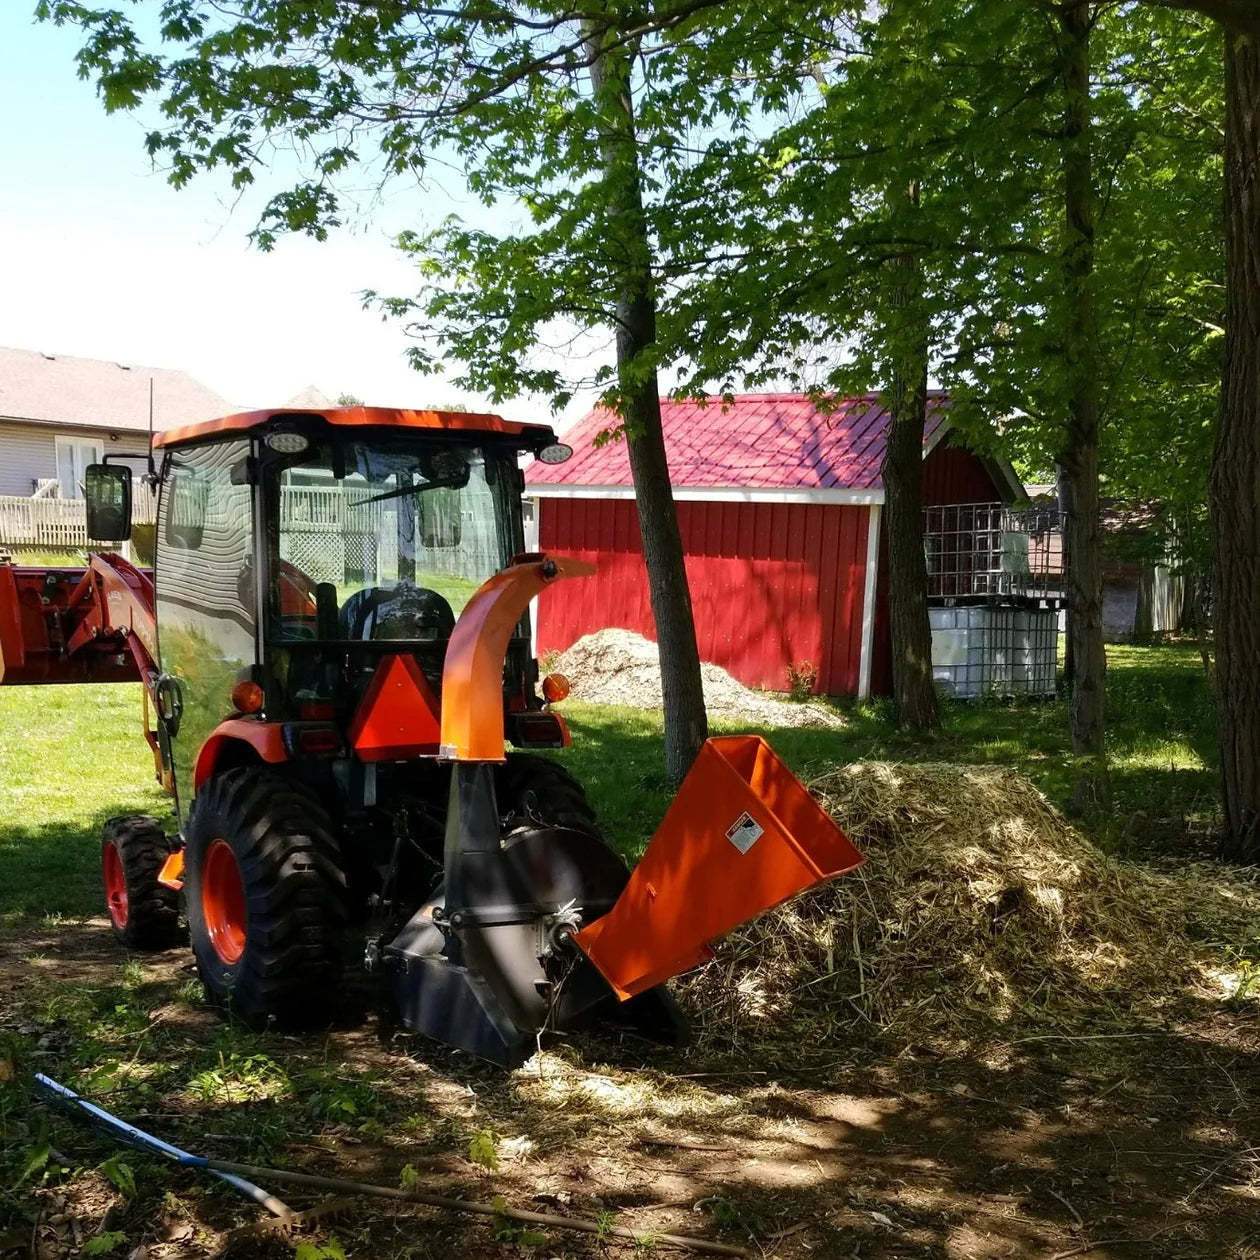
107,489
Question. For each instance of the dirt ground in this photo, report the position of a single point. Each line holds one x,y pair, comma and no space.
1138,1145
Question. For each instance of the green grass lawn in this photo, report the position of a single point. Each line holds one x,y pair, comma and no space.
70,757
1161,746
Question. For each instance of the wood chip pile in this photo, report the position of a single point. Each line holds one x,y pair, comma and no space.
621,667
980,915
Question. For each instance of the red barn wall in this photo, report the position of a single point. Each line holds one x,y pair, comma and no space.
952,474
772,584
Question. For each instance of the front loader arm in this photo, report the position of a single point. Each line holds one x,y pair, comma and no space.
118,602
80,625
62,625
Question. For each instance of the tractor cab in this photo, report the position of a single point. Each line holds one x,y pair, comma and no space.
299,552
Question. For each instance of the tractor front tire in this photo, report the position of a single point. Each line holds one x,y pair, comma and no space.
266,897
143,914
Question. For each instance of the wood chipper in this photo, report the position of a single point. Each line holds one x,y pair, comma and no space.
334,735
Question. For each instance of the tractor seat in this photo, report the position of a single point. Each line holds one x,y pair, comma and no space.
403,611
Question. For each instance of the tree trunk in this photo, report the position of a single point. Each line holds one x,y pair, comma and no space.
1079,456
1147,591
902,471
1234,482
686,724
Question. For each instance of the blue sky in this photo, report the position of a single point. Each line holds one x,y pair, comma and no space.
100,257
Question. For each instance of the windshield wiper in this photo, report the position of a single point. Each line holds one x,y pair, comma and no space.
459,482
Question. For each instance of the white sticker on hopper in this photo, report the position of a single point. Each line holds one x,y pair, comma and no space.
744,832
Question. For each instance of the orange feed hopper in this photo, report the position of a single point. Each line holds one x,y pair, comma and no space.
742,835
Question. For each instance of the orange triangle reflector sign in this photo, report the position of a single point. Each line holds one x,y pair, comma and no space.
399,714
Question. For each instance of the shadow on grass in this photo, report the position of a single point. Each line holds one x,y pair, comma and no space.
53,868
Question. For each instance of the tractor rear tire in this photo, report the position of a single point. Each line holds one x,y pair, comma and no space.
143,914
537,792
266,897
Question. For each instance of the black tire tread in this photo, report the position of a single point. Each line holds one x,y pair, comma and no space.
287,849
535,790
152,910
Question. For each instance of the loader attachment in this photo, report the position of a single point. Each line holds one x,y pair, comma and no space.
742,835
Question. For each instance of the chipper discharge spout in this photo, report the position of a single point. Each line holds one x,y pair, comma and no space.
547,930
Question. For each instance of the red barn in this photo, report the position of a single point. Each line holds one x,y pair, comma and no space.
779,507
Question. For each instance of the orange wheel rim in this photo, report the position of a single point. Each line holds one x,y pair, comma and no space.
115,885
223,902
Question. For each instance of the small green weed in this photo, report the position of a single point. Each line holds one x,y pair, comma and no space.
330,1250
1246,964
507,1230
120,1175
604,1224
344,1102
483,1149
802,679
241,1078
132,976
724,1213
67,1004
37,1156
104,1244
101,1078
190,993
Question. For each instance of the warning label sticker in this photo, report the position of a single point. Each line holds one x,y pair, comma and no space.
744,832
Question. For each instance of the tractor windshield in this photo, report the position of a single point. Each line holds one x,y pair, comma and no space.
388,539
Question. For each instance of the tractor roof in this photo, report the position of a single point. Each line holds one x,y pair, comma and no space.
362,417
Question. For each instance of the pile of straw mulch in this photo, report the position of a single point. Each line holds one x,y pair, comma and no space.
620,667
980,914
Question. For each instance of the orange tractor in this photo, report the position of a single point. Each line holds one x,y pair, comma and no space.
334,734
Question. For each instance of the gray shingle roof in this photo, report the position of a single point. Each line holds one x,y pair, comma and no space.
61,389
312,396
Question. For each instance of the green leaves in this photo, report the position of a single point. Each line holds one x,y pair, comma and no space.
37,1158
744,159
329,1250
506,1230
104,1244
120,1175
483,1150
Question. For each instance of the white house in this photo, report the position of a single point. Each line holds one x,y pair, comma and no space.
59,413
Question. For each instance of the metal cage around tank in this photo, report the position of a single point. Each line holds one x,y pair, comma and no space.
995,591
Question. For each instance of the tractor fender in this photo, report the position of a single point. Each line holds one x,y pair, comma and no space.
266,739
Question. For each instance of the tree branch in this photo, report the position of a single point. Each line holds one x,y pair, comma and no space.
1242,16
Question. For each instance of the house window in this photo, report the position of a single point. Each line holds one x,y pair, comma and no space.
73,457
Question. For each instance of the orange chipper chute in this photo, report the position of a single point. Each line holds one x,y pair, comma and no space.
742,835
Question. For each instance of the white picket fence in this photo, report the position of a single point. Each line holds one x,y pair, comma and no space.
46,522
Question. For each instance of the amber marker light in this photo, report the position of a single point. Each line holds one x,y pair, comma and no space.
554,688
247,697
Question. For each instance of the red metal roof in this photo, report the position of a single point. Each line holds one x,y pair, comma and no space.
757,441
